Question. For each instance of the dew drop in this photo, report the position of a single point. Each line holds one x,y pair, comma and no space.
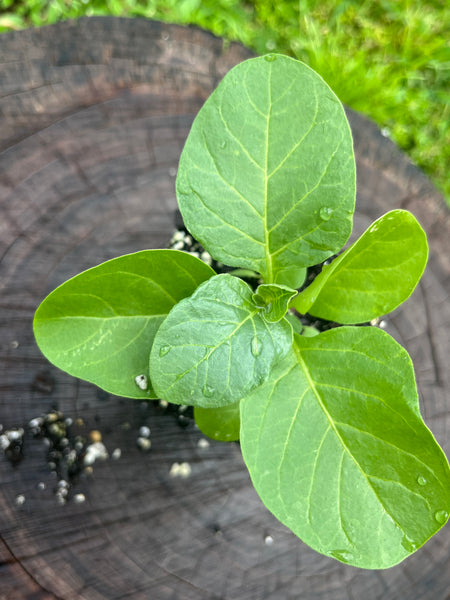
342,555
270,57
408,544
223,145
256,347
164,350
208,391
441,516
325,213
421,480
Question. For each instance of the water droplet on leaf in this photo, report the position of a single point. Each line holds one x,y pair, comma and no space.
421,480
208,391
325,213
164,350
342,555
408,544
270,57
441,516
256,347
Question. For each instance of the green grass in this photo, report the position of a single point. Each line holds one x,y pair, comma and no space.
387,58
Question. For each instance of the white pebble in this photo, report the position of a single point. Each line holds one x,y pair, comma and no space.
4,442
79,498
382,324
41,485
144,431
116,454
174,469
178,236
268,540
195,254
95,451
20,499
178,246
163,403
143,443
14,435
185,470
206,257
35,423
182,470
203,443
182,408
68,421
188,239
141,382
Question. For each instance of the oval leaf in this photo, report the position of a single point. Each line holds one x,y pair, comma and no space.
100,325
338,451
373,276
215,346
221,424
267,176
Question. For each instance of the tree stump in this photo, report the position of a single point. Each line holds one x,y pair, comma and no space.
94,115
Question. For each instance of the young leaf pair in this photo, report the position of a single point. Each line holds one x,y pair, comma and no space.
329,425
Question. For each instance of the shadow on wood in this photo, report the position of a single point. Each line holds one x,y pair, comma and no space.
94,116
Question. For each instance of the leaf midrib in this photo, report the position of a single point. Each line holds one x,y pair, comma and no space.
212,349
111,318
269,266
313,388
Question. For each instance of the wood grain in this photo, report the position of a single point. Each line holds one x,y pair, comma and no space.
94,115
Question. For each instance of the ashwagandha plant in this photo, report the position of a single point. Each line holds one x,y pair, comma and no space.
329,425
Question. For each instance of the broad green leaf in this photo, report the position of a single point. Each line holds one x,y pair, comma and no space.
100,325
267,176
274,300
297,325
221,424
338,451
215,346
373,276
309,331
291,276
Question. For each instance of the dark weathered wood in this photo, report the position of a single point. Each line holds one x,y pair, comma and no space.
93,118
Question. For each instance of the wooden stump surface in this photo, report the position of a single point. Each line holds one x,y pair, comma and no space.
93,118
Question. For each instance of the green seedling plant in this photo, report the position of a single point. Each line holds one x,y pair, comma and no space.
329,424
